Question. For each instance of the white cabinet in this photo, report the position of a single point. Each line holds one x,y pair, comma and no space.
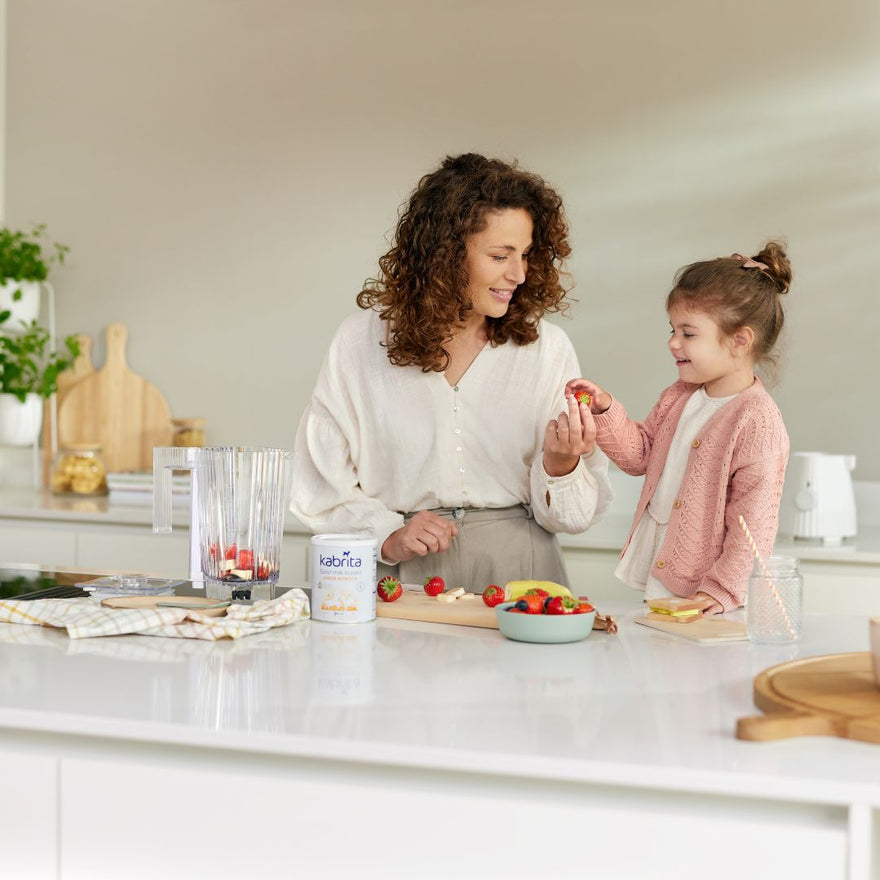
829,586
89,546
841,587
281,817
132,548
591,573
29,816
43,543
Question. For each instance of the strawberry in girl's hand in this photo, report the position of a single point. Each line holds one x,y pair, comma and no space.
583,397
493,595
561,605
389,589
434,586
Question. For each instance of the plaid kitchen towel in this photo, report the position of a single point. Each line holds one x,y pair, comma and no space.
83,619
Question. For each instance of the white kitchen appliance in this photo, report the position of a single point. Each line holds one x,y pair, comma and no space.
818,500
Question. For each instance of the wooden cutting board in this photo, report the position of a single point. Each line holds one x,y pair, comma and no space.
117,408
705,631
831,695
420,606
81,368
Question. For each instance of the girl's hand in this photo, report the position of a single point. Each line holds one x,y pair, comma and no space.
568,437
424,533
601,399
710,606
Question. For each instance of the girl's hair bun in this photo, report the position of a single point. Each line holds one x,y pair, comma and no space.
773,256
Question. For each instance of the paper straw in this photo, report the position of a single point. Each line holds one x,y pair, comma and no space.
766,573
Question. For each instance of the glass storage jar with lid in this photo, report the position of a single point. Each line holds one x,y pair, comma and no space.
188,432
78,469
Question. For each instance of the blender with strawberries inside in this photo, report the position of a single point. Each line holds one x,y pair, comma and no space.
239,498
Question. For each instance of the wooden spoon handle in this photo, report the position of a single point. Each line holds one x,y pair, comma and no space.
781,725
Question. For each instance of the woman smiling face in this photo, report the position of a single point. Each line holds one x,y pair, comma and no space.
497,261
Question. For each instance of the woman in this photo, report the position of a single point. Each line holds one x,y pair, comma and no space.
435,424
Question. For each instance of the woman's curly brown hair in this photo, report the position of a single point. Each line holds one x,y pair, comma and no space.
422,283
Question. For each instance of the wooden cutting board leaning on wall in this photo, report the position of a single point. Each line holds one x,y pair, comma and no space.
117,408
82,367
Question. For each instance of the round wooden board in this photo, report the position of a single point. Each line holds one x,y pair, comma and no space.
830,695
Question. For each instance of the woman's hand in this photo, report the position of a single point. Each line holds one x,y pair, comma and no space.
568,437
600,399
710,605
424,533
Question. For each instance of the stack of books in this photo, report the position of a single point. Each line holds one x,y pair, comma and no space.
136,487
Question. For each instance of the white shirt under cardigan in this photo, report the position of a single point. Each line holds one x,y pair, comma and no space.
379,440
636,564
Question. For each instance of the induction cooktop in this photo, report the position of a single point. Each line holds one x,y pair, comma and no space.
37,582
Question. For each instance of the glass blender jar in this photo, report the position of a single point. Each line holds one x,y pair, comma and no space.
239,499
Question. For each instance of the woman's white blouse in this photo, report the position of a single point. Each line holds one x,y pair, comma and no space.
379,440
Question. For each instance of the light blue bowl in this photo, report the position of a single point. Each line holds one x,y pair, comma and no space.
544,628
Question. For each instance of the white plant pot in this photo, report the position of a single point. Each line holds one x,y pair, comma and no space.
20,423
25,309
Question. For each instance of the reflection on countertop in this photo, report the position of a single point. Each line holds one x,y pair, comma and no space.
627,707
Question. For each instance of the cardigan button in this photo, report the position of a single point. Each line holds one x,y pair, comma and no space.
661,563
696,444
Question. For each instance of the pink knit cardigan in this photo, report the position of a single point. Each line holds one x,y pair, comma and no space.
736,466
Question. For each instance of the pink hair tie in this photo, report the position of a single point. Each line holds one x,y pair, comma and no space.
749,263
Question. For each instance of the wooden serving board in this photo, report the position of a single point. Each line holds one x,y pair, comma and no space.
420,606
705,631
117,408
81,368
831,695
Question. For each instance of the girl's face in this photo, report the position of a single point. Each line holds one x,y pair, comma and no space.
497,260
704,356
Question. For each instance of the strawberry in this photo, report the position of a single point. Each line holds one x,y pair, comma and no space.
533,601
434,586
231,552
389,589
537,591
493,595
246,559
583,608
516,610
263,571
561,605
583,397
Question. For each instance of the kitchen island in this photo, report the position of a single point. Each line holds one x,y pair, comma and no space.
410,750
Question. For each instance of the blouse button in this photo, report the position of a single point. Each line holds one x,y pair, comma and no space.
661,563
696,444
461,469
458,449
455,388
677,503
458,430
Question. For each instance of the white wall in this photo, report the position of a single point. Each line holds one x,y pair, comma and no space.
226,174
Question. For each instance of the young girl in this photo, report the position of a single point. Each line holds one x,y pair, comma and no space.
714,446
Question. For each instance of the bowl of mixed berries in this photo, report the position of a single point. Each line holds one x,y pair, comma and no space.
544,612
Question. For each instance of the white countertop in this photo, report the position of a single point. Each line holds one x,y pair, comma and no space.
641,708
608,534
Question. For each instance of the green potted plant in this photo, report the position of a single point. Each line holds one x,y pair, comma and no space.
28,376
25,260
